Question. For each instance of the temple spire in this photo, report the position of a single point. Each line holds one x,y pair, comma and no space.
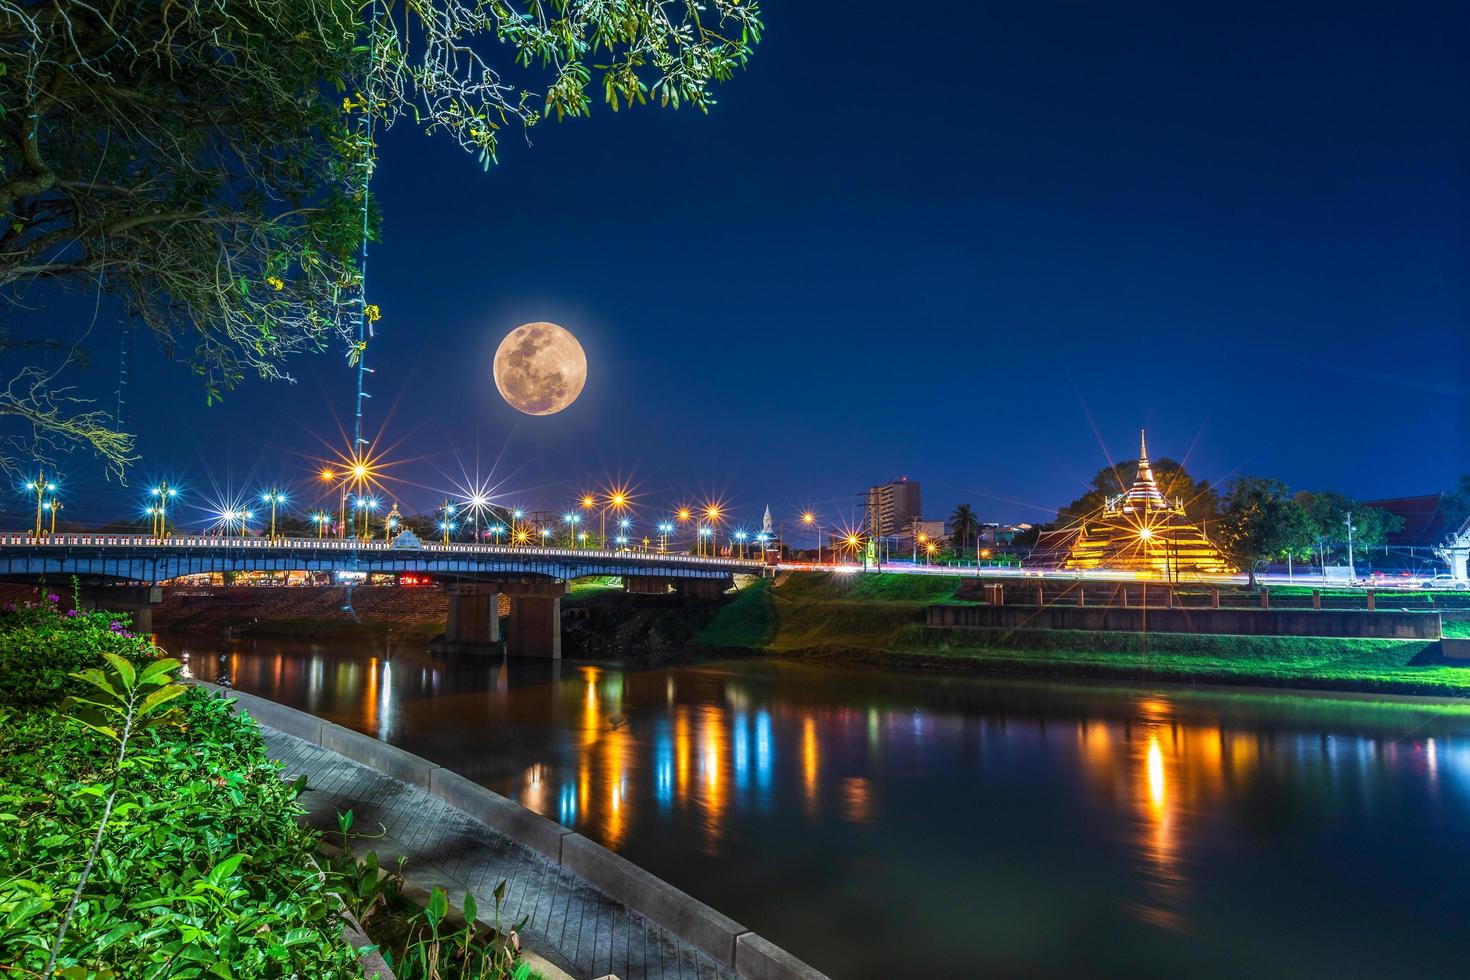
1145,490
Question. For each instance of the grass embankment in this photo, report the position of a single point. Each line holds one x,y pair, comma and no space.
880,619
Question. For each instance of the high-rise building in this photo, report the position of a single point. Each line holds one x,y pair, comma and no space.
893,507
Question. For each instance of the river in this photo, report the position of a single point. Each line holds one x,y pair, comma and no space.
899,824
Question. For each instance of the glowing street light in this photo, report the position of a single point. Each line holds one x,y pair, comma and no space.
740,542
52,506
810,520
40,488
273,497
321,519
571,520
161,495
446,519
365,507
665,528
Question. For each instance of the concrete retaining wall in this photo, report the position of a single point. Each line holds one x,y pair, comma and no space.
1238,622
721,937
1454,649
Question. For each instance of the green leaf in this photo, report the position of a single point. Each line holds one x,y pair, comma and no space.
97,679
125,670
160,697
437,908
157,669
225,868
470,909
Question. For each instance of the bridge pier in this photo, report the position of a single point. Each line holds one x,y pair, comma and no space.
473,624
135,600
647,584
704,588
535,627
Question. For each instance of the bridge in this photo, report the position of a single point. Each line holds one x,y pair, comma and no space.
124,571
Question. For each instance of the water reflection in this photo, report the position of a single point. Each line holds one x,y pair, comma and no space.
840,787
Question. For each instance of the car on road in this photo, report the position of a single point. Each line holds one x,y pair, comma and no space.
1445,581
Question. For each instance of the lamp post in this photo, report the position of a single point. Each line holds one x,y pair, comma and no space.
161,495
712,517
810,520
1352,569
623,525
740,543
39,487
273,497
664,529
320,519
446,522
53,505
571,520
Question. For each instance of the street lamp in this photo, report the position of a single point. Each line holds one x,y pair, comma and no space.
273,497
446,523
740,542
664,530
320,518
161,495
571,521
53,505
365,507
39,487
810,520
712,518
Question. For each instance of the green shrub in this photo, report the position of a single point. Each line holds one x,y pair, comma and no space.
200,870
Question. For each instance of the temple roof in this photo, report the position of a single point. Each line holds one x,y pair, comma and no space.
1424,519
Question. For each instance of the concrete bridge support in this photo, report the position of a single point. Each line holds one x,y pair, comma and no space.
647,584
135,600
474,616
473,625
704,588
535,626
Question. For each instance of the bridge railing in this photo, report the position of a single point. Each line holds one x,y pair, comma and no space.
148,542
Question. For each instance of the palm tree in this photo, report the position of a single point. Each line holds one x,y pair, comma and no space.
964,525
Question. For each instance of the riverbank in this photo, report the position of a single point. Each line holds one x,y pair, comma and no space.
336,613
879,619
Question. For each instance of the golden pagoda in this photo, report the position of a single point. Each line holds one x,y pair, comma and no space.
1142,530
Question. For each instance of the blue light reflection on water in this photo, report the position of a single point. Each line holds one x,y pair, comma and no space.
1122,826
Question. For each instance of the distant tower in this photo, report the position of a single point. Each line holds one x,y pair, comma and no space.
767,528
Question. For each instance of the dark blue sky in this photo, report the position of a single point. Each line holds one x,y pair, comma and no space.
959,244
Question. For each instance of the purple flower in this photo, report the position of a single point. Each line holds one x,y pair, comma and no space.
70,613
53,597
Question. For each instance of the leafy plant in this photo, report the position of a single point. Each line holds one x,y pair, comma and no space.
197,867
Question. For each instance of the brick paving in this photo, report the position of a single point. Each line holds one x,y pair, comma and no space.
570,923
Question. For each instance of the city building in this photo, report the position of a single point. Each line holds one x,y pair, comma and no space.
893,507
1143,530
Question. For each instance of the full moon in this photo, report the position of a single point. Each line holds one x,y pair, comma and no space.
540,368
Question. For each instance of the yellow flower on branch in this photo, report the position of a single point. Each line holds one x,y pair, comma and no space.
275,283
372,313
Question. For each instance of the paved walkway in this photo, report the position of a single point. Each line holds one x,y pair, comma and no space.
570,923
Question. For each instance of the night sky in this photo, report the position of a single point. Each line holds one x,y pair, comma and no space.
977,245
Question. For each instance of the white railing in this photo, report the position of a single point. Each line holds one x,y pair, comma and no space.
148,542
